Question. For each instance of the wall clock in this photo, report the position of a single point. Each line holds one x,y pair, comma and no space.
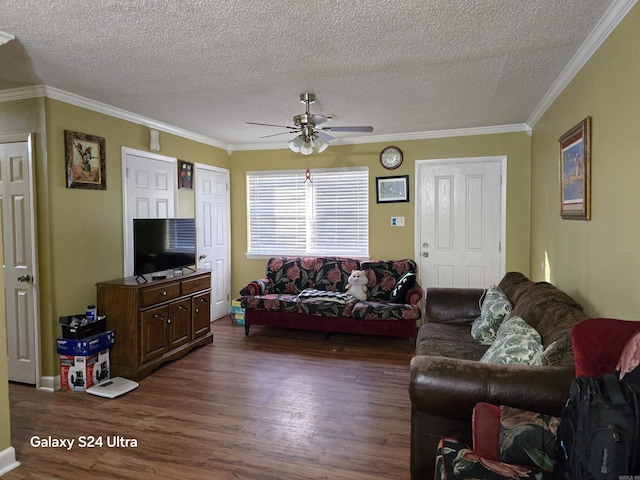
391,157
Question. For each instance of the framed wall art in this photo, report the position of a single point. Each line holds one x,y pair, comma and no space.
575,172
85,159
392,189
185,174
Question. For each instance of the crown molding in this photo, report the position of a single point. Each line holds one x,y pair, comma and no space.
99,107
609,21
5,37
22,93
399,137
36,91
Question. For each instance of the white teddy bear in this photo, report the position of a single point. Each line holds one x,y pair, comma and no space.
357,285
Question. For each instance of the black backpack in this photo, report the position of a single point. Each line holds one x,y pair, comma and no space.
599,432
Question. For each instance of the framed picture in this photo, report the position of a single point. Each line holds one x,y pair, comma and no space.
85,158
392,189
185,174
575,172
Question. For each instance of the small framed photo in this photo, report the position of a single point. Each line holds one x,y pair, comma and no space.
85,158
185,174
575,172
392,189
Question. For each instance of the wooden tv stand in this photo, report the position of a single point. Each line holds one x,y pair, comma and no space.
155,322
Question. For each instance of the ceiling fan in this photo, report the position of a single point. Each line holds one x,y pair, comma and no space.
309,128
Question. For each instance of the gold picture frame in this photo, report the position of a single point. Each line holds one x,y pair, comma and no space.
85,159
574,149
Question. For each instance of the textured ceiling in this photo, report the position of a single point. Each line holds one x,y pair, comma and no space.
208,66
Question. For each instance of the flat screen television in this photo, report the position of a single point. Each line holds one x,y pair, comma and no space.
163,244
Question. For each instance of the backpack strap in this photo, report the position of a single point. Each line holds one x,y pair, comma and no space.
614,390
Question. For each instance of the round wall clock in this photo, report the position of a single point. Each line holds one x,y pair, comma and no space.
391,157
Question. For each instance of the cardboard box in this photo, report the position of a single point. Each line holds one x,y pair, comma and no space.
79,372
237,312
86,346
81,331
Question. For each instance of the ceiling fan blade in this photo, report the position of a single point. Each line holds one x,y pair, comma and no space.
349,129
272,125
324,136
318,120
276,134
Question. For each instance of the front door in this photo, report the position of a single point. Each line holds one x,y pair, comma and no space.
19,266
213,230
460,221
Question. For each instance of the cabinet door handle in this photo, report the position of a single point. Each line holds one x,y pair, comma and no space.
158,316
168,321
183,308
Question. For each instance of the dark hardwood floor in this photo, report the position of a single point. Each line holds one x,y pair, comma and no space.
279,404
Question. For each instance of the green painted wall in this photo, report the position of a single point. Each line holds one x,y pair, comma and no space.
597,261
388,242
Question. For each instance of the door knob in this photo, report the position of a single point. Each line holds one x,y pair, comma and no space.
425,245
425,254
202,257
24,278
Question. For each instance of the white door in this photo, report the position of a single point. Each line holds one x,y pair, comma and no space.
460,216
213,231
150,183
20,264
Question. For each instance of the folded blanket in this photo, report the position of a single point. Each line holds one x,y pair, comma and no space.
338,297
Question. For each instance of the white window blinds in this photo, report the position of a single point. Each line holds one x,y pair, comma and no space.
328,215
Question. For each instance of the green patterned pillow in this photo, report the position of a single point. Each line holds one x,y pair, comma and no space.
515,324
495,309
516,342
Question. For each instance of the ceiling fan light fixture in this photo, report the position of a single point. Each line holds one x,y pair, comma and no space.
320,144
306,148
296,143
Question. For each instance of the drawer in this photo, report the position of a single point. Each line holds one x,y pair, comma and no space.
196,284
168,291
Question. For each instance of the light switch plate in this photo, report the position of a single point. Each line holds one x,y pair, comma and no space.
397,221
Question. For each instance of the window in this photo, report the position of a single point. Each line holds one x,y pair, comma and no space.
328,215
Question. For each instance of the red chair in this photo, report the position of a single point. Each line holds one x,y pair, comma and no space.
513,443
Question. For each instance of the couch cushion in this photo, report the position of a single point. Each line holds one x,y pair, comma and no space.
448,340
495,308
553,314
383,276
290,275
325,308
332,273
282,302
372,310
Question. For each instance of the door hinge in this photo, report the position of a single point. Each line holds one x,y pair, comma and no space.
127,172
227,184
499,246
500,179
228,297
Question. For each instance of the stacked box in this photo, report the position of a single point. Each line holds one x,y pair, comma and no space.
79,372
84,362
237,312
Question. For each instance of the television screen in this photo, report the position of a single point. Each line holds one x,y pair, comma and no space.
163,244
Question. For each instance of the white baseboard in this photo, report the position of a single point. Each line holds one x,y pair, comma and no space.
50,383
8,460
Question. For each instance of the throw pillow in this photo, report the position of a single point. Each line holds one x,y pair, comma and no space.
516,342
495,308
629,363
399,292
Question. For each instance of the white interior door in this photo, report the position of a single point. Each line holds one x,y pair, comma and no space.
213,231
150,184
460,215
20,262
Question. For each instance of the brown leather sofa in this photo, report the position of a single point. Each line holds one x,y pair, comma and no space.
447,380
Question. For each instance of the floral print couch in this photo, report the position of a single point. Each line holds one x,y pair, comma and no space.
309,293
